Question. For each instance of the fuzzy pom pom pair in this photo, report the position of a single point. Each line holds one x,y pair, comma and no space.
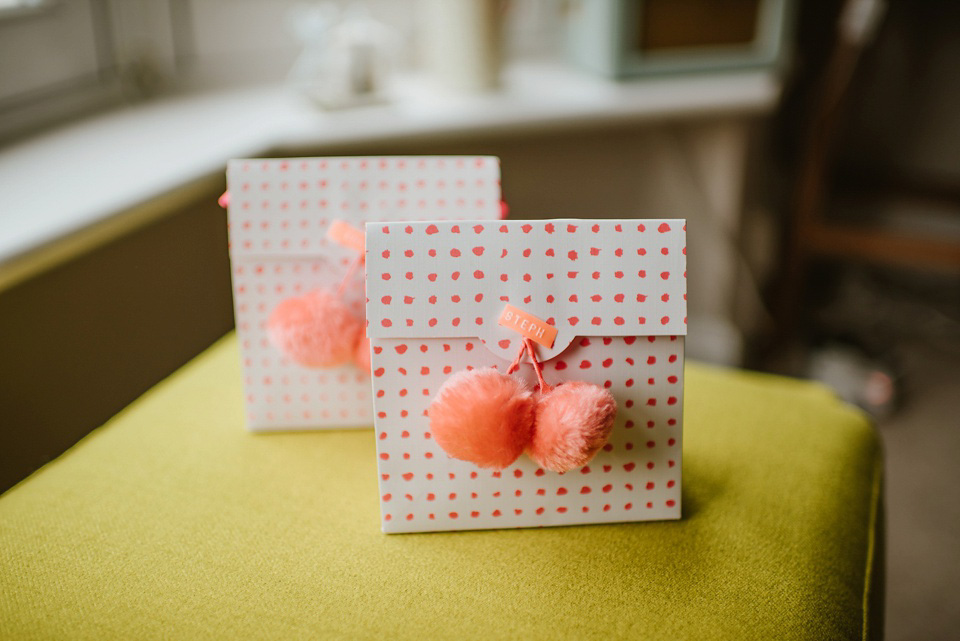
319,330
490,418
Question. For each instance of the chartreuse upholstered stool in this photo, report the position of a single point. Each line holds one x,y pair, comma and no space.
173,522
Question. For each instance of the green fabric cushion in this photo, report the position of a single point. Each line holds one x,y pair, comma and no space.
173,522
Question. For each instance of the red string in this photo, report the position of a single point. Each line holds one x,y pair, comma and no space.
532,353
515,365
528,347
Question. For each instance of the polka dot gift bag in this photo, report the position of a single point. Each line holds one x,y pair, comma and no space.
527,373
296,248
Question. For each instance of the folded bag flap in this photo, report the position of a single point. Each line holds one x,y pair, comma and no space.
283,207
585,277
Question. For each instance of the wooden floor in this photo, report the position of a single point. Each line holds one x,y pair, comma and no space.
922,442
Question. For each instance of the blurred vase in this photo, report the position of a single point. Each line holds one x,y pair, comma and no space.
462,42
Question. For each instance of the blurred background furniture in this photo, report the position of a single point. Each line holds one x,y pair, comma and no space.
630,38
871,256
841,210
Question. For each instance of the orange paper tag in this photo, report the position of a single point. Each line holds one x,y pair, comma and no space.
345,234
528,325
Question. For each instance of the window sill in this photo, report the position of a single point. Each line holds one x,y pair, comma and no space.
71,189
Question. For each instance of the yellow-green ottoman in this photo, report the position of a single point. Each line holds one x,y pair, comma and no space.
173,522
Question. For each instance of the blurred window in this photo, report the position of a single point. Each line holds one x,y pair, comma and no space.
56,61
10,8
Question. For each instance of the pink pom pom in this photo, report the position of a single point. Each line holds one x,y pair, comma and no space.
361,356
573,422
316,330
483,416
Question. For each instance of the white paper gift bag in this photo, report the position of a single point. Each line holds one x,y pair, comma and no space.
614,290
279,214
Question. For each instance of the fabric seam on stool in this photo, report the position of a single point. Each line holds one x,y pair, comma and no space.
875,499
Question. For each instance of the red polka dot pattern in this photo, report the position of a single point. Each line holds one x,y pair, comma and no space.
637,475
278,218
605,278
